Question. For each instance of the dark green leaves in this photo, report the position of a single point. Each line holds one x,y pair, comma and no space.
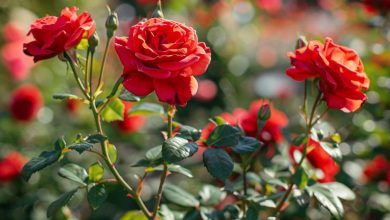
74,172
96,196
95,138
177,149
60,202
179,197
211,195
174,168
247,145
127,96
63,96
114,110
218,163
80,147
189,133
45,159
146,109
153,157
224,136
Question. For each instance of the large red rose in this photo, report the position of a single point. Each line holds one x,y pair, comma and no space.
340,70
11,166
162,56
319,159
130,123
25,103
54,35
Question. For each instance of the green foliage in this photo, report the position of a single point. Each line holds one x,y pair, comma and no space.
218,163
146,109
45,159
189,133
74,172
125,95
64,96
95,172
133,215
224,136
327,198
247,145
113,111
153,157
177,149
210,195
112,153
60,202
179,197
97,194
172,168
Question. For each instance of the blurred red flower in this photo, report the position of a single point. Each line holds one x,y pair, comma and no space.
15,61
340,70
319,159
270,6
376,6
25,103
11,166
72,105
377,169
131,123
162,56
54,35
207,90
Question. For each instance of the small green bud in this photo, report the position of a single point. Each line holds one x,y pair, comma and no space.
111,24
264,112
93,41
301,42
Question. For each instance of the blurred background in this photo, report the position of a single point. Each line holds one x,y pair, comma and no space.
249,41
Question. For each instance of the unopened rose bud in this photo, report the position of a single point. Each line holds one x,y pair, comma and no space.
111,24
93,41
301,42
264,112
158,11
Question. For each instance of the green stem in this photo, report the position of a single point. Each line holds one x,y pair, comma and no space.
170,115
90,75
309,126
86,72
102,66
76,76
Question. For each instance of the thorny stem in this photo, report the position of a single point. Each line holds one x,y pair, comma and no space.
105,154
309,126
170,115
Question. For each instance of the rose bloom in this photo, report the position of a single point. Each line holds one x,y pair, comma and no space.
319,159
72,105
25,103
377,169
11,166
15,61
339,69
130,123
54,35
162,56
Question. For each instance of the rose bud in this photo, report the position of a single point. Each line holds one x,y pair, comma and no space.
111,24
25,103
93,41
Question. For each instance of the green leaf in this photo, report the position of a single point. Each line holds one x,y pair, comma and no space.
63,96
74,172
341,190
247,145
112,153
217,120
218,163
115,88
113,111
146,109
252,213
166,213
177,149
128,96
301,139
210,195
154,154
133,215
83,45
153,158
60,202
224,136
60,143
95,138
45,159
174,168
300,178
327,198
179,197
95,172
80,147
189,133
96,196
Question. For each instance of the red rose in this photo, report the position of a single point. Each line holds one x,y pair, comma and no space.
11,166
340,70
376,169
130,123
54,35
25,103
319,159
272,130
376,6
72,105
16,62
162,56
